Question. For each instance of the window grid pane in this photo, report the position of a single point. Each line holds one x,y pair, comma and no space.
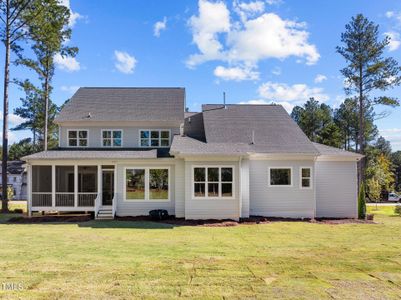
306,177
217,180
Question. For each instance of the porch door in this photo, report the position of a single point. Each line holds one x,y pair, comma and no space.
107,187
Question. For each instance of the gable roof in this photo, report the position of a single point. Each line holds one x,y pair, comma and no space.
267,128
124,104
332,151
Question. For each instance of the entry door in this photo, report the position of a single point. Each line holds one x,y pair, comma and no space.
108,187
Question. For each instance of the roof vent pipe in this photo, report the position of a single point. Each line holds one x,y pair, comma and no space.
224,100
253,137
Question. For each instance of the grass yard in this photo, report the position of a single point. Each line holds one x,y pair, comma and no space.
283,260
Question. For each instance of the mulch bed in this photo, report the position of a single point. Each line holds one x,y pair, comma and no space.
182,222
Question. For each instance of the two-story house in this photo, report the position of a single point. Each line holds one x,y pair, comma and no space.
126,151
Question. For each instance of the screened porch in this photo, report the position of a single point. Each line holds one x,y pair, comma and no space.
64,187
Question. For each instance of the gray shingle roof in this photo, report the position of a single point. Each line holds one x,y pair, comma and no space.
332,151
88,154
273,129
188,145
125,104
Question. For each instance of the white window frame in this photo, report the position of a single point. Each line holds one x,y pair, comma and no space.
111,145
206,197
149,139
310,178
280,185
147,188
77,130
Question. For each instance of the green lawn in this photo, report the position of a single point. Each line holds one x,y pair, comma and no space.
117,259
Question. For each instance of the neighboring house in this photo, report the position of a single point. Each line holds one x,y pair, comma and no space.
126,151
17,179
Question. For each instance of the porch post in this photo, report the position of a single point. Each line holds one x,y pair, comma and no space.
75,185
99,184
29,177
53,185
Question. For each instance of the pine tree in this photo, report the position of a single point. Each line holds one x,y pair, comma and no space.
367,72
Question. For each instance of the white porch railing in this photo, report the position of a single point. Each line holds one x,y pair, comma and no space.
41,199
65,199
86,199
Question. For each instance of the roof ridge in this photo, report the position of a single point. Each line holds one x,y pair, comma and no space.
129,87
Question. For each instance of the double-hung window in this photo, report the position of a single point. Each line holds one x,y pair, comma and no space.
112,138
147,184
77,138
306,178
154,138
213,182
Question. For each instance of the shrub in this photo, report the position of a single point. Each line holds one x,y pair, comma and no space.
18,210
361,202
397,210
158,214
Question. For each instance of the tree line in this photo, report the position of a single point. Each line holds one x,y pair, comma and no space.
368,75
42,27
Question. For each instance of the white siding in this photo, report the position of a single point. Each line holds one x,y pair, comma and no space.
336,189
130,134
141,208
291,202
180,188
211,208
245,188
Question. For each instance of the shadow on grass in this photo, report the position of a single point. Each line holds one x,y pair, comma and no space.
126,224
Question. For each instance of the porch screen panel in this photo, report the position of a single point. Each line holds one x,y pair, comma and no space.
64,186
41,186
87,185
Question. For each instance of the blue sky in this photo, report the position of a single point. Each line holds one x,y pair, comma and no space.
256,51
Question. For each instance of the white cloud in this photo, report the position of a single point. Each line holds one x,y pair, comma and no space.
13,119
269,36
213,18
389,14
159,26
274,2
236,73
246,10
67,63
390,131
125,63
395,41
74,16
320,78
69,89
255,37
276,71
294,93
287,106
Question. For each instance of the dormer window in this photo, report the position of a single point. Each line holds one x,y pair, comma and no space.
77,138
112,138
154,138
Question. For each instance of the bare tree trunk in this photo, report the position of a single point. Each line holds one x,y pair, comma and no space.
4,206
361,133
46,110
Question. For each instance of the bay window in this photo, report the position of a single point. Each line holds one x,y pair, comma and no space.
213,182
147,184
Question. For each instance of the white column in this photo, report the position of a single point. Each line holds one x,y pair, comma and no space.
99,183
53,185
29,177
75,185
